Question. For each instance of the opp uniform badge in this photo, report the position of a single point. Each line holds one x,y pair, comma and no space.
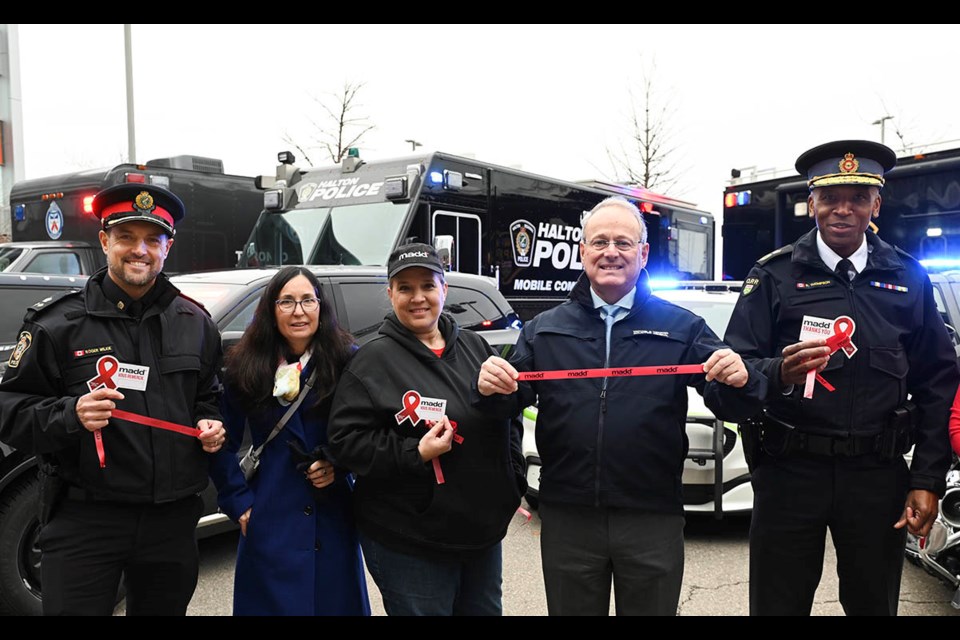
23,343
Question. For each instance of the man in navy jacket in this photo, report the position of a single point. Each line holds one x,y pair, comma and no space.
613,448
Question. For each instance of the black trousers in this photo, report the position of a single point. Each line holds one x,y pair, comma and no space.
87,546
799,497
583,547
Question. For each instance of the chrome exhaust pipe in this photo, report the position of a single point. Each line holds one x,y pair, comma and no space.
950,507
940,538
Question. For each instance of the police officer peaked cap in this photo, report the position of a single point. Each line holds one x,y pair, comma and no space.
133,202
846,162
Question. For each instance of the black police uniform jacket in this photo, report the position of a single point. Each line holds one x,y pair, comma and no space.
623,447
902,346
397,499
38,395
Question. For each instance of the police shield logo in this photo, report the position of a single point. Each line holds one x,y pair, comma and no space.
23,343
749,286
54,221
305,191
523,239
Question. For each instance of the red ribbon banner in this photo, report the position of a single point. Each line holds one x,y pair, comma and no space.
144,420
573,374
437,471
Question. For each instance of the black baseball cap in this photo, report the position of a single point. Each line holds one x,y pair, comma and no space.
416,254
132,202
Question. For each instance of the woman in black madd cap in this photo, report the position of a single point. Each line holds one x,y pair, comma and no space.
437,481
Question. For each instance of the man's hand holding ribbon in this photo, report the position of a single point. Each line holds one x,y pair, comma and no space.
724,365
802,357
95,408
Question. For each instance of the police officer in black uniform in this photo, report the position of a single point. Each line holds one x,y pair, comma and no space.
115,388
846,328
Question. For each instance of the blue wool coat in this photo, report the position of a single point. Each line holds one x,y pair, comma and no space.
301,555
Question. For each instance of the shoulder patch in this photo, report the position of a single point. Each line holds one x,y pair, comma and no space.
782,251
23,343
41,306
749,286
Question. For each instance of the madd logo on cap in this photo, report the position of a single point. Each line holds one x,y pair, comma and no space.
416,254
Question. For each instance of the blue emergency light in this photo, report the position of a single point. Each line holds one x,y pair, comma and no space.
941,263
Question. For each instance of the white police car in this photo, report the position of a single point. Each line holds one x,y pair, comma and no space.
710,439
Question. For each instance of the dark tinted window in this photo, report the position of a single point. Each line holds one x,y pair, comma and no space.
7,256
244,316
366,305
470,307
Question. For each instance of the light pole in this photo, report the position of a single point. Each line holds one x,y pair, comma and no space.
883,127
131,129
414,144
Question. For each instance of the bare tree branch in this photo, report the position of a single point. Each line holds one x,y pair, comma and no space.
335,132
646,157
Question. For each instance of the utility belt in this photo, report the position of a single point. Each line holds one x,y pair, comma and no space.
778,438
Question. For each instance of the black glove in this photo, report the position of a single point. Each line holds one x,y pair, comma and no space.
302,460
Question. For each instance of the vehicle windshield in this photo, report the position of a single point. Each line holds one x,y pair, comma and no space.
351,235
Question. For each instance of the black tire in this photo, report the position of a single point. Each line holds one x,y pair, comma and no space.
20,549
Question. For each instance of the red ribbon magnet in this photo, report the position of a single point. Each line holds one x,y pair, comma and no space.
411,401
107,367
843,328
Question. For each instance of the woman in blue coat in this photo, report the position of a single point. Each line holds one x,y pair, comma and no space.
298,552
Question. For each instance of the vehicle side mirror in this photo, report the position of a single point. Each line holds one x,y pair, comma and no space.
444,246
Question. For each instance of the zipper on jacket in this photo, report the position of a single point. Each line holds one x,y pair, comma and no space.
596,475
603,412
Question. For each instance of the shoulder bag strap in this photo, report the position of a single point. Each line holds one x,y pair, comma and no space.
290,411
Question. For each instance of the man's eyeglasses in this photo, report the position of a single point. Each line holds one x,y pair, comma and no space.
308,305
598,245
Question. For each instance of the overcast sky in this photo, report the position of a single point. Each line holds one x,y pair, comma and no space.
550,99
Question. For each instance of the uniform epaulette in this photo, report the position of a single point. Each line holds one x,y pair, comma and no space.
782,251
196,302
43,305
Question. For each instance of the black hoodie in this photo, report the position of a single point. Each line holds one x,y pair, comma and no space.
398,501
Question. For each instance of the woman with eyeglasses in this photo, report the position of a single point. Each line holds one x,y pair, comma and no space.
298,553
437,480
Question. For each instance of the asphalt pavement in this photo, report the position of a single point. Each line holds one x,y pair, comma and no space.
715,579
